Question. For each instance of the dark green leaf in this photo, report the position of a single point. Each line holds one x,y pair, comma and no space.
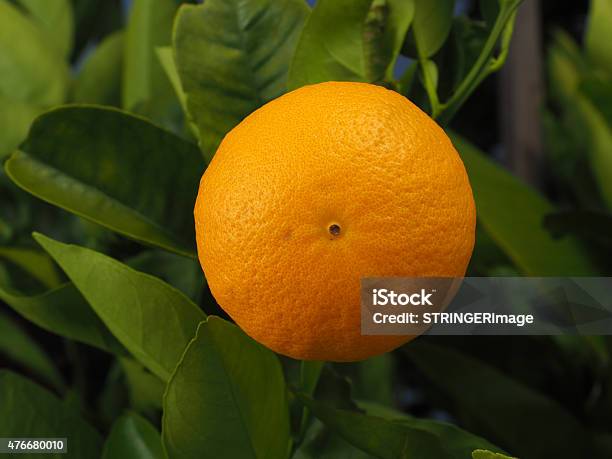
432,23
598,89
17,345
146,88
153,320
484,454
31,411
165,54
109,167
133,437
227,398
396,437
232,57
347,40
99,81
374,378
65,312
35,263
32,72
180,272
322,443
528,423
513,214
145,389
56,21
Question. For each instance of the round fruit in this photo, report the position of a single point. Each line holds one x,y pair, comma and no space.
317,189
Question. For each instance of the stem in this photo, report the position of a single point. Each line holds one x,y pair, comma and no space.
478,70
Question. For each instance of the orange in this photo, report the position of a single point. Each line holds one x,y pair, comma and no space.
313,191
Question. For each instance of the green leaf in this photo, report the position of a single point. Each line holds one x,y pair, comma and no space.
145,389
133,437
384,30
153,320
165,54
146,88
35,412
599,135
227,398
17,345
36,263
348,40
15,119
484,454
374,379
322,443
598,89
65,312
32,72
109,167
396,437
55,19
597,37
526,421
432,23
512,214
580,93
99,81
232,57
180,272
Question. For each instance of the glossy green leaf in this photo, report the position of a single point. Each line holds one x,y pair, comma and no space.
484,454
394,436
227,398
513,214
36,412
153,320
133,437
55,18
347,40
432,23
65,312
527,422
146,88
15,119
99,81
232,57
20,348
109,167
597,37
32,72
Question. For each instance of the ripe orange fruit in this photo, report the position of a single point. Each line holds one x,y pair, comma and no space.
317,189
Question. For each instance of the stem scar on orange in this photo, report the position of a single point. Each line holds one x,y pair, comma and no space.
313,191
